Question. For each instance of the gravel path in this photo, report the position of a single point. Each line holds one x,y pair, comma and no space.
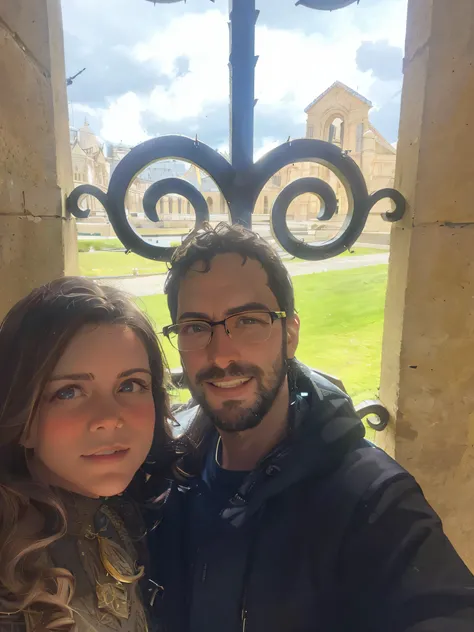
148,285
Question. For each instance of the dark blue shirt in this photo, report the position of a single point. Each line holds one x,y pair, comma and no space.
204,527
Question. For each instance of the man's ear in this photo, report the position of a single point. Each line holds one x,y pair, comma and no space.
292,335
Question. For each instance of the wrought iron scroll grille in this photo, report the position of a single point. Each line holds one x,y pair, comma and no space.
241,180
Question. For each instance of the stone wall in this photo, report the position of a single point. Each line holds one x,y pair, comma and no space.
428,350
37,241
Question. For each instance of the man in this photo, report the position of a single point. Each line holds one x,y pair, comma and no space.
284,519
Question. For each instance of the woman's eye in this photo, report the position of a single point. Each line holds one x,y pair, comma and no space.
133,386
67,393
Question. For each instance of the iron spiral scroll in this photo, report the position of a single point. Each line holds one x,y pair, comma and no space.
241,180
241,190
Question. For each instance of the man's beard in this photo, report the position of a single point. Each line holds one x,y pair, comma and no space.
233,417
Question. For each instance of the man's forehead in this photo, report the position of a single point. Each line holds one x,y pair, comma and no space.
228,261
230,280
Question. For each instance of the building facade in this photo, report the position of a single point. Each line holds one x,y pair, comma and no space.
339,115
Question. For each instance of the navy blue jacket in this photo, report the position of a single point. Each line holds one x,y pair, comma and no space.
327,534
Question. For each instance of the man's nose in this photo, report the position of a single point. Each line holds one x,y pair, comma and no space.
222,350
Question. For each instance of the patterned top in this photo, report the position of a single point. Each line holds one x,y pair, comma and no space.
100,533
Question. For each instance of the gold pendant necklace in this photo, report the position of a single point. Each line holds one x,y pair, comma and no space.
117,563
113,597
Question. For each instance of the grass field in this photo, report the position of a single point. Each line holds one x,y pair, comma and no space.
341,325
102,263
357,252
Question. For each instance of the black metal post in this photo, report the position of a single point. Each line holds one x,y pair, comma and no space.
242,81
242,61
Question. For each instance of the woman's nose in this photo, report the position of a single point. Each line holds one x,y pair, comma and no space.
107,416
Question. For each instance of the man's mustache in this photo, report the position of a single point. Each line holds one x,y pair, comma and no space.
233,370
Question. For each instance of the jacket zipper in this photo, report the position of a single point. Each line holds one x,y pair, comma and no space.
244,619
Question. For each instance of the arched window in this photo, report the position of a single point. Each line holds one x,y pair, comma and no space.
276,180
210,204
265,205
310,131
336,132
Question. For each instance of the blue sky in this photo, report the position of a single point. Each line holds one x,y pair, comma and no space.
162,69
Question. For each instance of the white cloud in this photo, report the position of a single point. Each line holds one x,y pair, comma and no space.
294,66
121,121
266,145
79,112
203,39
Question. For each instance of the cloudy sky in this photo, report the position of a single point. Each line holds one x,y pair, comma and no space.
154,70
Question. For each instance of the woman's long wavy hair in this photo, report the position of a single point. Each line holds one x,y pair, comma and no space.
33,337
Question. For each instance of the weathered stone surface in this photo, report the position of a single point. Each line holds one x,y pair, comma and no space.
37,242
33,252
27,20
427,368
27,139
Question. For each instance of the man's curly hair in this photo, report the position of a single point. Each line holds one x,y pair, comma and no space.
207,242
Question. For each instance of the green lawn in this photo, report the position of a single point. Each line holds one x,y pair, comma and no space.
341,325
102,263
355,252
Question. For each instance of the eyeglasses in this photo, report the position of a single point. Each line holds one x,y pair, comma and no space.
244,328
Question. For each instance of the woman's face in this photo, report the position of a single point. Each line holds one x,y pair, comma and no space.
95,423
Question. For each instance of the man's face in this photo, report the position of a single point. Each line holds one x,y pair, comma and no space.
236,384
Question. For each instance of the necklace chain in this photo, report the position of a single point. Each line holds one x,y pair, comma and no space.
217,451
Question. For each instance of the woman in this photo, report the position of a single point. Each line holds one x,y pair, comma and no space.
82,398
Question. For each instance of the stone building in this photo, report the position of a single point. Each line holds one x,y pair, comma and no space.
94,162
89,165
339,115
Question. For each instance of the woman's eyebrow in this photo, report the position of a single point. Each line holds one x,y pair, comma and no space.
90,376
132,371
72,376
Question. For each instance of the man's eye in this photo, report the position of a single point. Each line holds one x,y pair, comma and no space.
250,320
67,393
193,328
133,386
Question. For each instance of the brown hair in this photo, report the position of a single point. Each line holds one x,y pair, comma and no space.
208,242
33,337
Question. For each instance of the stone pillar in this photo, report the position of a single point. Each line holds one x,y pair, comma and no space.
37,241
428,349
